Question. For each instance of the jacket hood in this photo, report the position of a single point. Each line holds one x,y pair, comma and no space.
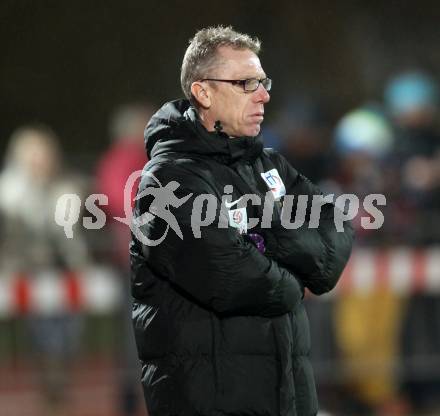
176,128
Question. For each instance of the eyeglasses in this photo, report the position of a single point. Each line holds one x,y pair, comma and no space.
248,85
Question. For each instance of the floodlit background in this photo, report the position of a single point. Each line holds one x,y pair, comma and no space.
355,107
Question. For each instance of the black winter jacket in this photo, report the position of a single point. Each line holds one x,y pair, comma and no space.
220,328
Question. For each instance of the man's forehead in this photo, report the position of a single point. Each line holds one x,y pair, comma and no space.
239,63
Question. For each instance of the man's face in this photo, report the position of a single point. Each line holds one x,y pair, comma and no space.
239,112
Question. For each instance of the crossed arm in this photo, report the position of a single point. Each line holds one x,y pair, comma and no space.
317,256
225,273
220,270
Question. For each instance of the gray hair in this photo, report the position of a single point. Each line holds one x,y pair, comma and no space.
201,54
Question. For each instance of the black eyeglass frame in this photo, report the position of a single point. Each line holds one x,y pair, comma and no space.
242,82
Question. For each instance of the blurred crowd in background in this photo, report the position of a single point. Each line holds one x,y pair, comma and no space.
375,353
382,345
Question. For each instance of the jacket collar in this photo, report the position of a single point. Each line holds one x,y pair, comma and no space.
176,128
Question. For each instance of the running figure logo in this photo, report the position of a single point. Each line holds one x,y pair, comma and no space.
164,197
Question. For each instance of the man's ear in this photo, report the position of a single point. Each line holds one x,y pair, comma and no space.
201,94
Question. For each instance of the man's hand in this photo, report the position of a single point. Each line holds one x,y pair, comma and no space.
257,240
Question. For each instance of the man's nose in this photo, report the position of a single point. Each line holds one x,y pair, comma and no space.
261,94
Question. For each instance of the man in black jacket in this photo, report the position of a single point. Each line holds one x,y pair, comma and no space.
218,315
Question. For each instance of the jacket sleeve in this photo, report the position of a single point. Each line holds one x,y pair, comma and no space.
219,270
316,255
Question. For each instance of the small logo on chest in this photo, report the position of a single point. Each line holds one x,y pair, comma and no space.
274,183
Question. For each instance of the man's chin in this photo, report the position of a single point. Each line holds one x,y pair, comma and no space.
251,131
254,131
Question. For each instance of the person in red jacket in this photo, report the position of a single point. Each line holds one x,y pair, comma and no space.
125,155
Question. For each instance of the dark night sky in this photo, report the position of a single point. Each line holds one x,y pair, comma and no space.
68,64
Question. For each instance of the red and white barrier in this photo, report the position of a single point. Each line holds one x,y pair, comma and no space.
100,290
401,270
96,290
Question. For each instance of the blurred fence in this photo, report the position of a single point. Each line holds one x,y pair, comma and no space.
96,290
97,369
401,270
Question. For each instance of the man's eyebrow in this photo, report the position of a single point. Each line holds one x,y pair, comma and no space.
260,76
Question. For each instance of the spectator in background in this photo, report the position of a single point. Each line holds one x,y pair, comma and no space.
125,155
362,146
304,128
31,181
412,99
367,324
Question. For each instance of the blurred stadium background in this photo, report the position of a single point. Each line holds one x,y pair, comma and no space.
355,106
